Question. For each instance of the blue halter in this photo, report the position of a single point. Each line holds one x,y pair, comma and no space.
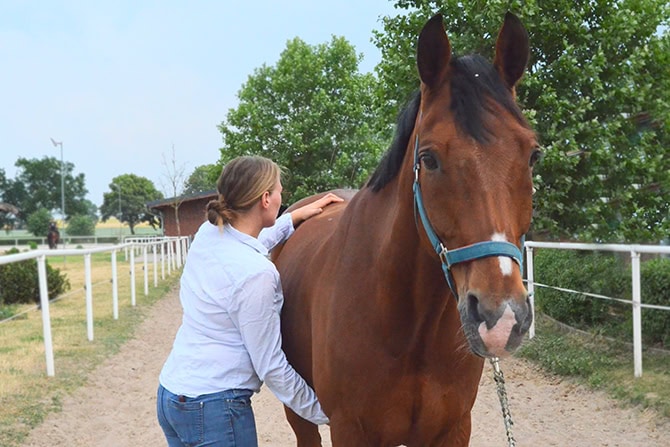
468,253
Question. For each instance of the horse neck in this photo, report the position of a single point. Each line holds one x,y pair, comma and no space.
415,293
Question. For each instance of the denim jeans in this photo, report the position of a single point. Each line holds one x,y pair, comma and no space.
222,419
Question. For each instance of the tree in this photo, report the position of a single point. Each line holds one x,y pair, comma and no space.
311,113
38,185
38,222
592,92
175,175
81,225
8,211
135,192
203,178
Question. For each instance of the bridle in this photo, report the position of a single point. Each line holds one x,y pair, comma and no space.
463,254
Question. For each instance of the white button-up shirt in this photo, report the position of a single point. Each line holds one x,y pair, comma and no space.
230,333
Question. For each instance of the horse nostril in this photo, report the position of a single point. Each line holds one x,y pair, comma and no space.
473,307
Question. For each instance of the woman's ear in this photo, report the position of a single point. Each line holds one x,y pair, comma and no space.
265,199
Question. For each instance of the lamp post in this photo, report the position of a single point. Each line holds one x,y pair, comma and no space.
62,178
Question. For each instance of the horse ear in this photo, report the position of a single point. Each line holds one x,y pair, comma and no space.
512,51
433,51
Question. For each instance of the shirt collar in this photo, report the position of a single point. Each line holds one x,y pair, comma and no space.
246,239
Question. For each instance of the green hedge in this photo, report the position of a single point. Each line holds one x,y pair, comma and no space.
605,274
601,273
19,283
655,289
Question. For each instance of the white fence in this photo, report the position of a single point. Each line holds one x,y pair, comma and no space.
636,303
172,252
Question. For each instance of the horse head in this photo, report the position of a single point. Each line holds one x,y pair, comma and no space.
473,159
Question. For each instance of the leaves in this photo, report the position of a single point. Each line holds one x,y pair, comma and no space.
127,200
311,114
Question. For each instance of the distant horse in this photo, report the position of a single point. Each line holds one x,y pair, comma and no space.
53,236
389,326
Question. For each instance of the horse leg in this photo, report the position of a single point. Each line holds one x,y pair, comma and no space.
306,433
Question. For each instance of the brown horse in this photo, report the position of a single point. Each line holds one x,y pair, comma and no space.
394,349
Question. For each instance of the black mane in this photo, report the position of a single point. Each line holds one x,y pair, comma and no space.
475,84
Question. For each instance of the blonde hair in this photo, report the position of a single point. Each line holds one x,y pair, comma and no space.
242,182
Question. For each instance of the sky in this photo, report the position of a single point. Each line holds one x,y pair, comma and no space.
120,83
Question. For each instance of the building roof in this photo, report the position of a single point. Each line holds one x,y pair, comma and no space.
181,199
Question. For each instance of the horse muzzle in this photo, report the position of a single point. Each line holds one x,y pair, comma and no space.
495,331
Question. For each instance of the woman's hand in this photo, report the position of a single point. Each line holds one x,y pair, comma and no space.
305,212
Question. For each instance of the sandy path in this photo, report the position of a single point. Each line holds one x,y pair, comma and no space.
117,406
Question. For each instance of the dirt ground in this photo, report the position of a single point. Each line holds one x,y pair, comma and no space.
117,406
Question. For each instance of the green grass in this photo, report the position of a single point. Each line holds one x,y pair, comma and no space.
602,364
27,395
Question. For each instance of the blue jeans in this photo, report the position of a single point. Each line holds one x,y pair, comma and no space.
222,419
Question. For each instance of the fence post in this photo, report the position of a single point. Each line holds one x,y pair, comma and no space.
155,255
637,313
132,275
163,259
146,269
115,288
89,296
530,280
46,317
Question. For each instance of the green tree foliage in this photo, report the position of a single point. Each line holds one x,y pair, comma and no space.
135,192
81,225
38,222
595,92
38,185
203,178
312,113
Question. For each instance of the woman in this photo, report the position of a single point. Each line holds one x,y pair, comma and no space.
229,342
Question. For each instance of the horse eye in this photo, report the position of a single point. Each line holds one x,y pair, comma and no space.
535,157
429,161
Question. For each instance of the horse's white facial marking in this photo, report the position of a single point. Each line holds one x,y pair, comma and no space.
504,261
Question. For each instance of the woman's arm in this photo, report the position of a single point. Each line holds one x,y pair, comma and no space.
259,323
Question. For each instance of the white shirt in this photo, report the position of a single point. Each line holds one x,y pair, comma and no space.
230,333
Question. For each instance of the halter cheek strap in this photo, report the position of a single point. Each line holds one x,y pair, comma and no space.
464,254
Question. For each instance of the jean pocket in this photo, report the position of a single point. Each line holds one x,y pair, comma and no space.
187,419
239,403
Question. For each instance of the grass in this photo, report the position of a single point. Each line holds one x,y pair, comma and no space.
27,395
602,364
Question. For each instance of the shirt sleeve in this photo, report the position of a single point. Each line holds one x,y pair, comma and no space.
278,233
258,316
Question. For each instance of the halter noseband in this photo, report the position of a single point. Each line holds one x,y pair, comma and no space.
464,254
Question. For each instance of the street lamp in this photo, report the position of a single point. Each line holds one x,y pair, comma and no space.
62,178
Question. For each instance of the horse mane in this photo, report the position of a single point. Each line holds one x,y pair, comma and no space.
475,87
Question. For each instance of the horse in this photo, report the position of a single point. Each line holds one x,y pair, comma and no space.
388,325
53,236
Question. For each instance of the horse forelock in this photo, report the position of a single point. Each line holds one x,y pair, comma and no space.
475,87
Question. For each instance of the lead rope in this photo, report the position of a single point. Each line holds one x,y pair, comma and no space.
499,379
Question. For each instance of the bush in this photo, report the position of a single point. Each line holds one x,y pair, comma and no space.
38,222
604,274
81,225
19,282
655,289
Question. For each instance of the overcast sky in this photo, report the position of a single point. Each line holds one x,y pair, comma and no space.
120,82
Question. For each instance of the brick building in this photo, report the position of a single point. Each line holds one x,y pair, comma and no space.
191,212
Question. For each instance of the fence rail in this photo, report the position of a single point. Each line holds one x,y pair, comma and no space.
636,302
172,252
